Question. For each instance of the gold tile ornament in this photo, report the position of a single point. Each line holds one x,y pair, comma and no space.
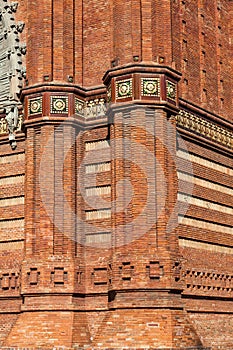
59,104
171,90
35,106
150,87
124,89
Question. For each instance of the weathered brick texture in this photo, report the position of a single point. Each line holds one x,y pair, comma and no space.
116,206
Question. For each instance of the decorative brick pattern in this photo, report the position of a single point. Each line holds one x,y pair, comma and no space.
184,242
59,276
97,261
208,282
98,191
95,145
205,162
202,224
11,201
8,224
100,276
98,214
98,167
11,158
155,270
33,276
126,271
203,203
9,281
205,183
99,238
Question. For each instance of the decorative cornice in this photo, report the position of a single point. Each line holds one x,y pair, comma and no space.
63,88
57,101
208,115
144,84
212,131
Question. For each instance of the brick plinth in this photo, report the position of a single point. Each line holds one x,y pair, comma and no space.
41,329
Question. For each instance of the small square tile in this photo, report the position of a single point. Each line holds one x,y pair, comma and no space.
124,89
59,104
79,107
35,106
171,90
150,87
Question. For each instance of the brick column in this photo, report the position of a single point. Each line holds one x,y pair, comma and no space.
144,286
48,269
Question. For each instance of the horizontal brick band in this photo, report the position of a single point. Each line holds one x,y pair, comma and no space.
98,214
12,180
94,145
205,225
12,169
11,223
98,191
205,246
98,167
11,201
202,213
210,154
11,245
204,204
204,162
204,183
9,234
11,158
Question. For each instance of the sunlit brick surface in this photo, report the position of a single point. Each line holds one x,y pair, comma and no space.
116,216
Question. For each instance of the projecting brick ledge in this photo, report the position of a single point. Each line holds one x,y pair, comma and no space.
88,347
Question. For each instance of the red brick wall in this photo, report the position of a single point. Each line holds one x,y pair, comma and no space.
193,36
202,52
91,273
215,331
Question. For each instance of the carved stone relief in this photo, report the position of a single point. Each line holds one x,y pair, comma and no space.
12,71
